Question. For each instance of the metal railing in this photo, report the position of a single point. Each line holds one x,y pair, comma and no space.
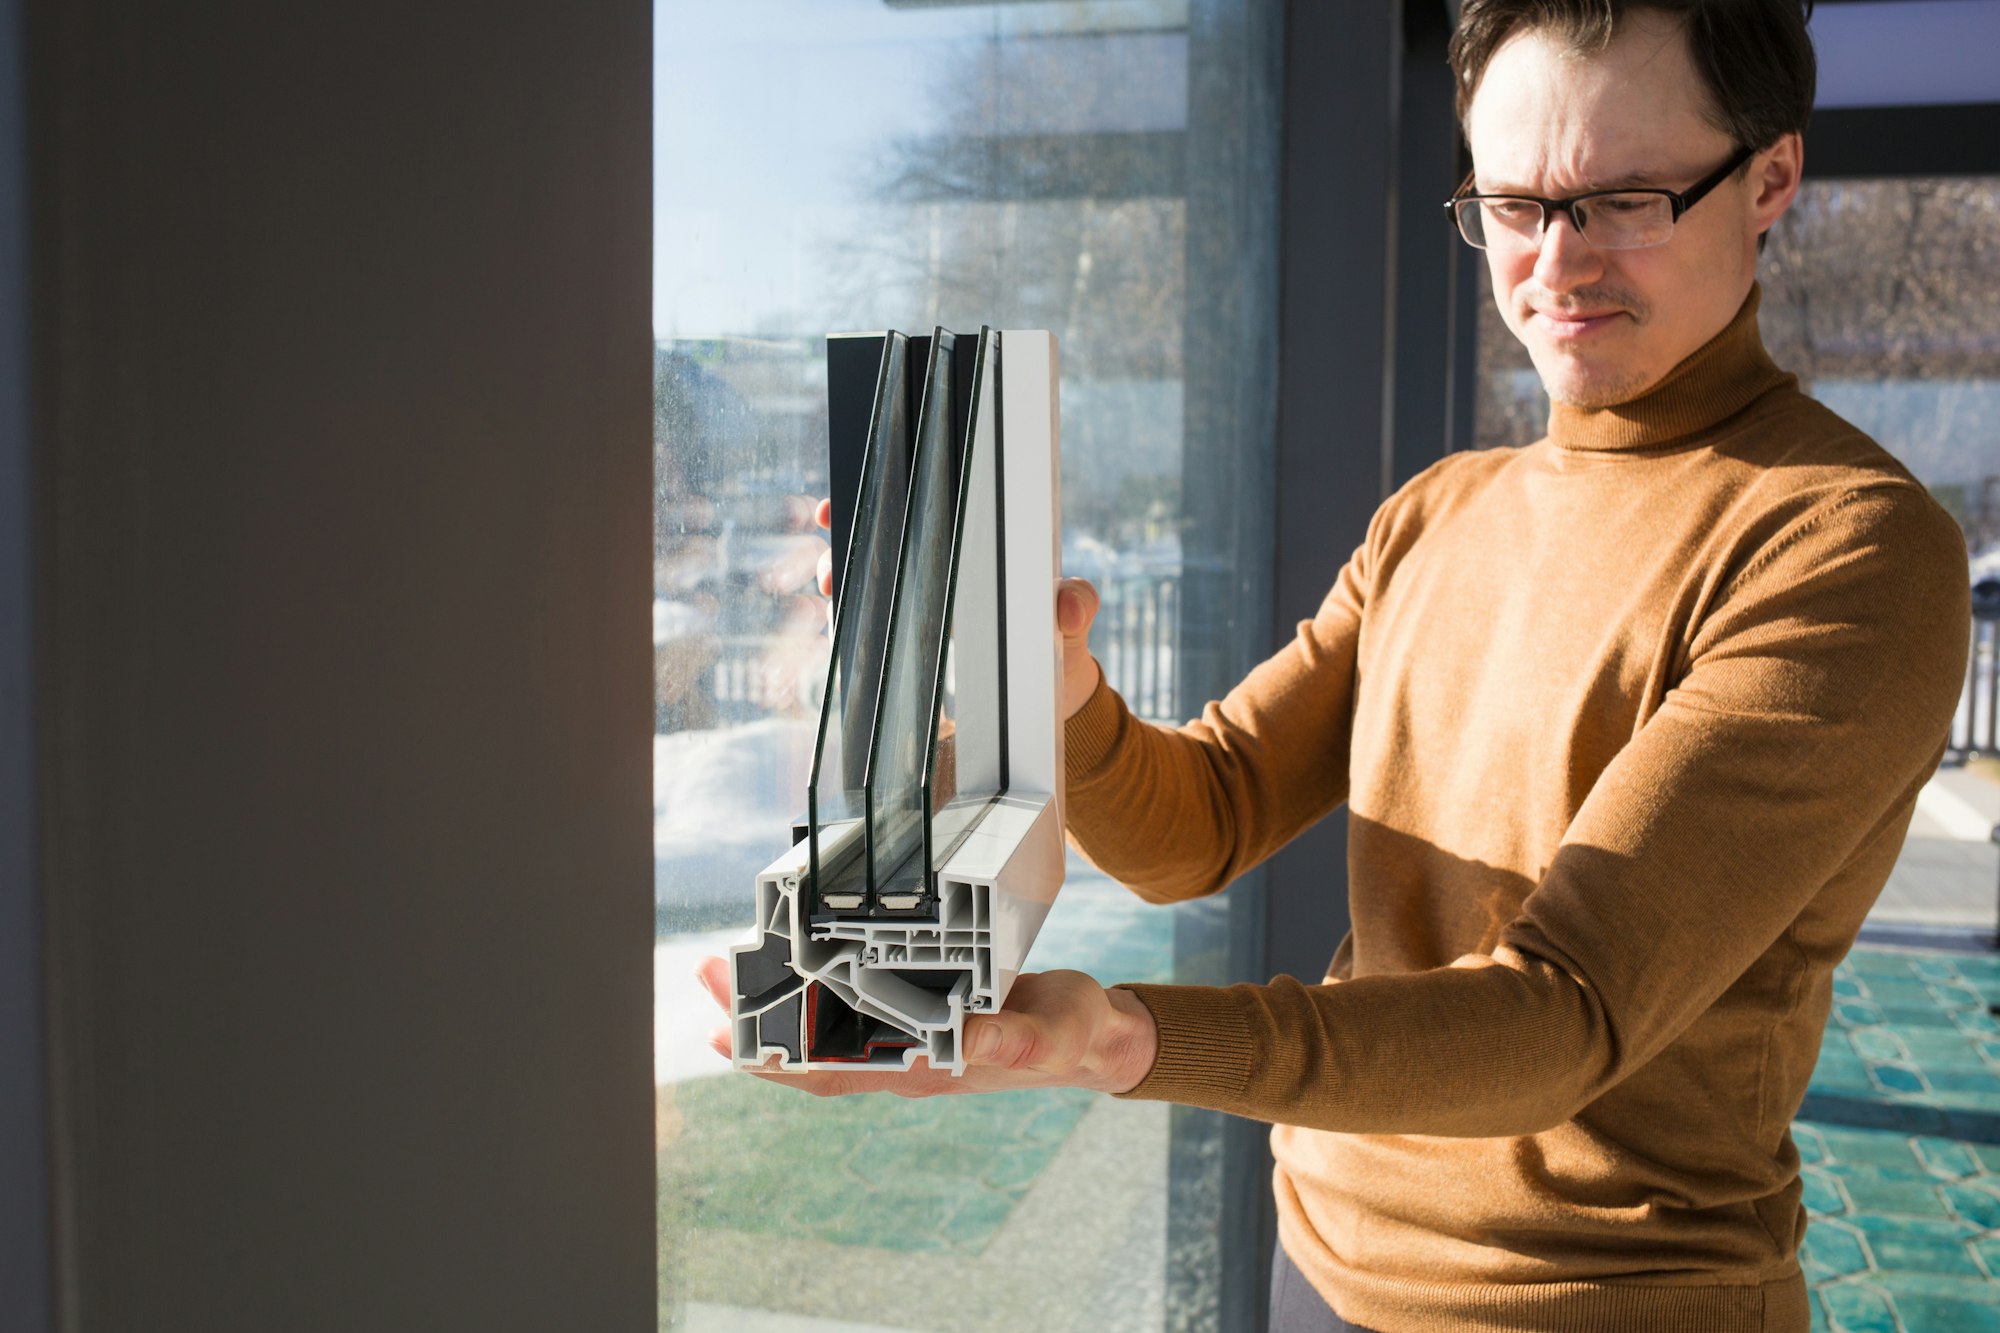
1133,638
1138,625
1975,730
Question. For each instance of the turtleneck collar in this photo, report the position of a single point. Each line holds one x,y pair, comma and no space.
1717,380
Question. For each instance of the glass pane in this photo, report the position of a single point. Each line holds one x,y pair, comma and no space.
1509,407
860,638
898,876
1883,296
966,766
1104,170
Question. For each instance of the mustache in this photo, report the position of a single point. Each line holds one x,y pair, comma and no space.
1581,299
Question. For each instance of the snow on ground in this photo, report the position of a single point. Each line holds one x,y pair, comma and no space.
723,805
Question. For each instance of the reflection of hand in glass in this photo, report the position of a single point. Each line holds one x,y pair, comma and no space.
794,556
1058,1030
1076,607
823,516
690,562
795,651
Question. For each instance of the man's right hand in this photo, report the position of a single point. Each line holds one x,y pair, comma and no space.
1076,607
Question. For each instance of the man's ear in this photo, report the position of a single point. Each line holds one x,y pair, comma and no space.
1774,179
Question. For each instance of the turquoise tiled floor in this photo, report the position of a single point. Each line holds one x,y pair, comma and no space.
1900,1139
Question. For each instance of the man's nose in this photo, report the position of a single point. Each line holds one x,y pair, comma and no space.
1566,260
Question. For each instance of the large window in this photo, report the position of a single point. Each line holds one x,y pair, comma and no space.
1883,297
827,165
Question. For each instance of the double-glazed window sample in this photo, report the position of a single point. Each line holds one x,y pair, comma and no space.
831,167
877,940
915,750
1883,297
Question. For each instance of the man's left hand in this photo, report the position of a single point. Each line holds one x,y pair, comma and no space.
1058,1030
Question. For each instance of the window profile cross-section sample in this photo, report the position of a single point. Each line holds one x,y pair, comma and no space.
933,840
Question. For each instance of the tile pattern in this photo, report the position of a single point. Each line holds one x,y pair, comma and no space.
1900,1145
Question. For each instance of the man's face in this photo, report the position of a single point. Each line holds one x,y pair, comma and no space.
1603,326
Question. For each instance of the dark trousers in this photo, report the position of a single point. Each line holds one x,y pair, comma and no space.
1296,1307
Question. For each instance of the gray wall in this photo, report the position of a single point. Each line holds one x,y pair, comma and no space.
344,560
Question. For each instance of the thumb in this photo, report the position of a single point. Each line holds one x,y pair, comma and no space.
982,1040
1076,608
1018,1041
1010,1041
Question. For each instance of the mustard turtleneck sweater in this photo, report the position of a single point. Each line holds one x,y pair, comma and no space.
1629,724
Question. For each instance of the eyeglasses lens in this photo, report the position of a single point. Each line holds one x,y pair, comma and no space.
1625,221
1608,221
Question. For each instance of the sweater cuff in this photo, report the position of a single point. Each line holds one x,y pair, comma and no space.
1092,731
1204,1056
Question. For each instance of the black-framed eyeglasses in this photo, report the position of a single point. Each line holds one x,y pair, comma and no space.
1609,219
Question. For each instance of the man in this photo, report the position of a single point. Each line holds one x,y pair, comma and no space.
1629,724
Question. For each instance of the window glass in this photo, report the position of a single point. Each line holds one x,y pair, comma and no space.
833,165
1508,405
1883,297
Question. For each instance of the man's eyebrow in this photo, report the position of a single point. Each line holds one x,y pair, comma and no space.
1630,180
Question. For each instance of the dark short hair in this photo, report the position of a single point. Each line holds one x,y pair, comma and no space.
1754,55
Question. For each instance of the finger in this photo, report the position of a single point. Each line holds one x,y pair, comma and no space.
823,514
826,573
830,1083
1076,607
983,1039
820,1084
786,564
720,1042
1020,1043
713,974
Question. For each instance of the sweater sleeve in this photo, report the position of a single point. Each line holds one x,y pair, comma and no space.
1818,691
1175,813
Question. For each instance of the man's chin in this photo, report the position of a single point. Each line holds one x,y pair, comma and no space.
1575,384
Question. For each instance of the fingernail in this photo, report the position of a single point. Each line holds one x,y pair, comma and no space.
985,1043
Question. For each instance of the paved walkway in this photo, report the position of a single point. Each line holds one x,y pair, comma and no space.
1946,876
